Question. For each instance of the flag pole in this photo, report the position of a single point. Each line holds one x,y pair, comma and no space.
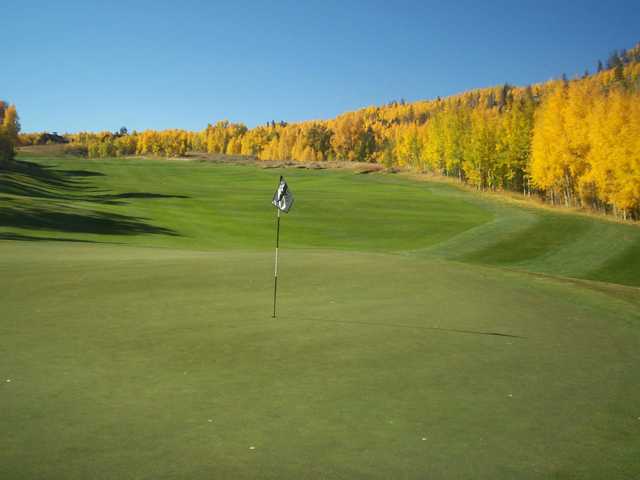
275,276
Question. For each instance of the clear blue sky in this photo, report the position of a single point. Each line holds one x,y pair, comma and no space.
94,65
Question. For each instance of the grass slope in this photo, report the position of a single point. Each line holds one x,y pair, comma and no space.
416,337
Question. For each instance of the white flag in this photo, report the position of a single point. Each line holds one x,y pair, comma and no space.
283,198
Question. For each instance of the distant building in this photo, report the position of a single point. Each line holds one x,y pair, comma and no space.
49,138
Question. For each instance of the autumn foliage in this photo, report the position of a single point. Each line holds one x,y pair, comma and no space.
575,142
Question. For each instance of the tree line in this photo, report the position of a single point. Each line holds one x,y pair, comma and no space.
575,142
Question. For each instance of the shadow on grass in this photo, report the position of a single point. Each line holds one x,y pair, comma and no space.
42,181
419,327
48,175
138,195
38,182
63,219
29,238
76,173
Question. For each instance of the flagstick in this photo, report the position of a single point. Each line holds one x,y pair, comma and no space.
275,277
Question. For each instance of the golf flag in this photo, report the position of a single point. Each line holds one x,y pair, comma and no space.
283,198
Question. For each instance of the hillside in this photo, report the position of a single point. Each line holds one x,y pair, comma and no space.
571,142
85,200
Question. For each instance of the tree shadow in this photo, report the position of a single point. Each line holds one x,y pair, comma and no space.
34,181
79,173
17,186
139,195
30,179
81,221
30,238
50,175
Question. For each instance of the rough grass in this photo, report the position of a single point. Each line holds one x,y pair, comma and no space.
423,332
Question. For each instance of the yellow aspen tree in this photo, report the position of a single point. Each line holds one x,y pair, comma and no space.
615,154
308,155
234,146
480,149
11,123
407,149
433,154
457,122
550,155
269,152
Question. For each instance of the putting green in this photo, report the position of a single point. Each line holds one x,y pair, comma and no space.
423,332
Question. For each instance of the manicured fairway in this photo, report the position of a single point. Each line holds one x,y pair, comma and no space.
423,331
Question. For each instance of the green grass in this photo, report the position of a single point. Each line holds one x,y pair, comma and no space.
423,331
